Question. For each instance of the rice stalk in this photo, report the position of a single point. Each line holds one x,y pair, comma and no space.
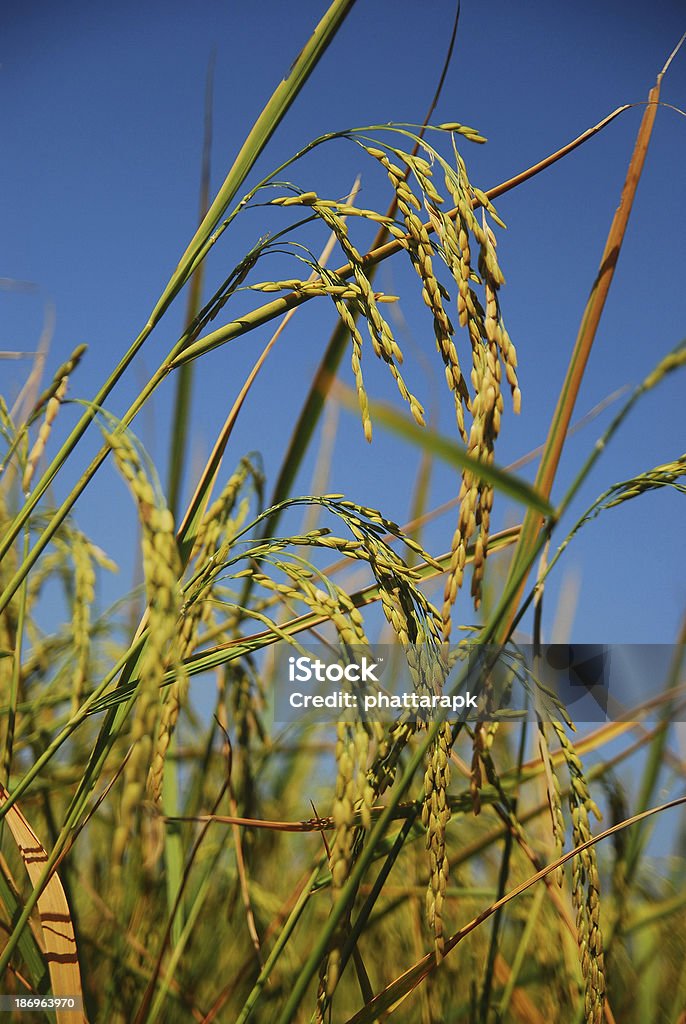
161,571
585,883
84,596
489,340
38,448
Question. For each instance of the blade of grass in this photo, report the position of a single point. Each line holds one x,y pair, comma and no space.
446,506
449,451
184,381
590,320
173,849
29,948
16,676
520,952
144,1010
515,830
280,944
379,883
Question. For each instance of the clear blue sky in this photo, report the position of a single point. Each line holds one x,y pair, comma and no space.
102,128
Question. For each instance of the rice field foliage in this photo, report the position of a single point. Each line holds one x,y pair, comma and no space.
206,864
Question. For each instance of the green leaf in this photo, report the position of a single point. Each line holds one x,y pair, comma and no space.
455,455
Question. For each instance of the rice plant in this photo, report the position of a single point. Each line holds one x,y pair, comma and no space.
171,849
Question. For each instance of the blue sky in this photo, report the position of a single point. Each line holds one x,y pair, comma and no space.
102,134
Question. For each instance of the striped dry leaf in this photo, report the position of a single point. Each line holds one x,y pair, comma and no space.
59,939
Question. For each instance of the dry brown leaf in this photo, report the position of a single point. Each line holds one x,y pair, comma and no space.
59,940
